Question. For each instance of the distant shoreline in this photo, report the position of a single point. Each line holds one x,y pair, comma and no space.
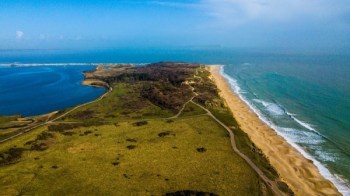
62,64
297,171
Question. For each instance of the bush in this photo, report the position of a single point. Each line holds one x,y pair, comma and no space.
11,156
140,123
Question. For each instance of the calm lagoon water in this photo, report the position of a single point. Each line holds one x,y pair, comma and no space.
33,90
304,97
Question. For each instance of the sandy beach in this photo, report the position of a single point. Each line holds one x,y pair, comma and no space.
298,172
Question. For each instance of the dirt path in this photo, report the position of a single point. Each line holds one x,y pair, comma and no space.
184,105
270,183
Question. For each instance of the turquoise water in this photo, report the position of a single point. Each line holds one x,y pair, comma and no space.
308,104
304,97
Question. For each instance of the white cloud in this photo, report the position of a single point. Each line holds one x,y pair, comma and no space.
242,11
19,34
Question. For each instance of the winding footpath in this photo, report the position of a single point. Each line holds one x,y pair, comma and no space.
270,183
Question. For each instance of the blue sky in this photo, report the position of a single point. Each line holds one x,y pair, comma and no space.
30,24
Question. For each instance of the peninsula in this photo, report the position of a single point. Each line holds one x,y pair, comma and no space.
161,129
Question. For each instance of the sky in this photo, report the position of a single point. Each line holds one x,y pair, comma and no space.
44,24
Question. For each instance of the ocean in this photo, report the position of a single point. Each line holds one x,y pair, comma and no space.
304,97
306,104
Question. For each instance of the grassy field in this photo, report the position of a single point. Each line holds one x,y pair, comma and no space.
126,159
123,103
125,144
192,110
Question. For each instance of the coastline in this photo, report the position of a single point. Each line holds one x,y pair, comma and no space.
54,115
298,172
95,83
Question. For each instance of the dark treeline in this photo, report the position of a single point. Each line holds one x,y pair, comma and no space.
162,83
175,73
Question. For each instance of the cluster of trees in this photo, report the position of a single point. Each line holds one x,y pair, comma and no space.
163,93
162,82
207,92
175,73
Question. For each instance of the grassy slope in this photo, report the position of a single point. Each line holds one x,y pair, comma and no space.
123,103
192,110
100,162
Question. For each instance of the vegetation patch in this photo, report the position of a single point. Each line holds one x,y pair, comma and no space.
44,136
169,121
87,132
86,114
131,140
11,156
201,149
39,144
39,147
140,123
130,147
190,193
68,133
69,126
284,187
192,109
166,133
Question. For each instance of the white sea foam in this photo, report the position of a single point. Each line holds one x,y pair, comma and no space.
326,156
337,181
272,108
246,64
300,136
302,123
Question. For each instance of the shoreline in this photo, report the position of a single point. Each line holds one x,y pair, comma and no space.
84,82
297,171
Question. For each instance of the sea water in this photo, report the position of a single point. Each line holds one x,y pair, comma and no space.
307,104
304,97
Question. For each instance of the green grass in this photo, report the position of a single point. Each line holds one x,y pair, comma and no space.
5,119
244,144
123,103
192,110
8,121
101,162
203,73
